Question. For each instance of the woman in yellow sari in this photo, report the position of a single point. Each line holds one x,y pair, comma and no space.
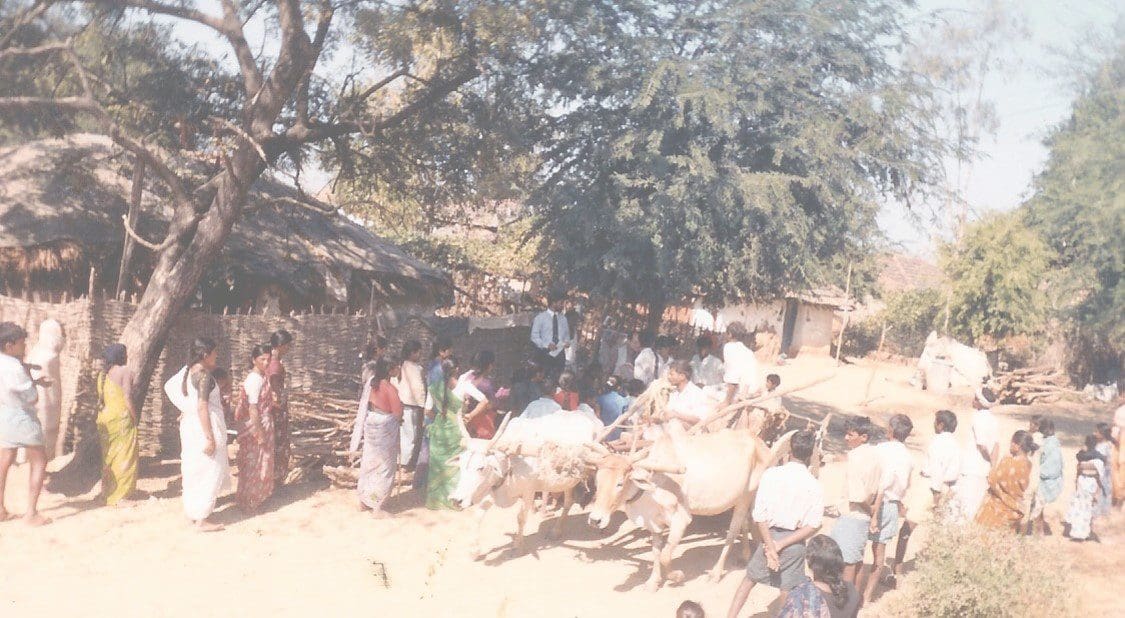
117,426
1003,506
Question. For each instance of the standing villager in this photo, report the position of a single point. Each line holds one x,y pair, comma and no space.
652,362
256,449
1007,482
828,594
861,486
525,386
740,366
117,426
445,439
612,404
943,460
377,432
375,349
1105,448
1118,462
573,327
442,351
280,343
687,405
981,455
706,368
19,424
1050,477
475,387
45,355
888,513
788,510
1087,488
550,334
411,385
203,431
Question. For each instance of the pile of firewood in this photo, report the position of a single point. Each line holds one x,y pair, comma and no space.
320,427
1032,385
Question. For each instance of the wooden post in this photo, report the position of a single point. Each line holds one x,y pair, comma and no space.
847,315
134,210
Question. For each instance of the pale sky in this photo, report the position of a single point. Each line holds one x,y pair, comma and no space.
1029,95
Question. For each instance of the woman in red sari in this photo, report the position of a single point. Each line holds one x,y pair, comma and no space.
476,390
254,416
280,342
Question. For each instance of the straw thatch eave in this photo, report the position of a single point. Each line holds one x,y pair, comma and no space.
61,199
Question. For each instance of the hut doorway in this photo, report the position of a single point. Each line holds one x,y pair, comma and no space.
788,325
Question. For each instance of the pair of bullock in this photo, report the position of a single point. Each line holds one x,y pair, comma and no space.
659,488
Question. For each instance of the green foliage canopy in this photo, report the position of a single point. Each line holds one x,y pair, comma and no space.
1079,209
997,274
741,151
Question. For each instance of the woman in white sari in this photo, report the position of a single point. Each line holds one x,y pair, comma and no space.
203,434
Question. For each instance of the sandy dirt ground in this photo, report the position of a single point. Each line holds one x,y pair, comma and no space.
312,553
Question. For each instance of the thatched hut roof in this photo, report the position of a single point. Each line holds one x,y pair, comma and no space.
74,191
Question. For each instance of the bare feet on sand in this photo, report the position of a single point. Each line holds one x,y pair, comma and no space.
35,520
6,516
207,526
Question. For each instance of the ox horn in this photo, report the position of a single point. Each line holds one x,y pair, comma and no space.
598,448
499,432
655,467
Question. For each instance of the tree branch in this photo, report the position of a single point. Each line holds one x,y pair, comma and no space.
28,52
438,91
162,8
32,13
142,242
232,29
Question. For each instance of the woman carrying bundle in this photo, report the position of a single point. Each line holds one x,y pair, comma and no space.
255,416
117,426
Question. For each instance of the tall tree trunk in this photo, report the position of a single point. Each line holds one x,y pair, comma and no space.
180,268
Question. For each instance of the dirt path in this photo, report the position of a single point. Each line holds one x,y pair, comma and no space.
314,554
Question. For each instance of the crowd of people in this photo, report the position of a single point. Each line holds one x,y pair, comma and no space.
410,408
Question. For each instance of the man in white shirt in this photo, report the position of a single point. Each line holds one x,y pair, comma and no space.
982,454
688,404
740,366
943,457
862,484
550,334
895,467
412,392
652,362
788,510
706,368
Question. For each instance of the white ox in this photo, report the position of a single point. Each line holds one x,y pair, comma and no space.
970,365
684,475
496,472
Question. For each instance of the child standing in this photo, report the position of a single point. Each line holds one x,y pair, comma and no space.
1087,488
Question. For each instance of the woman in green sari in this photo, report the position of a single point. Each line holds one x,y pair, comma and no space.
445,438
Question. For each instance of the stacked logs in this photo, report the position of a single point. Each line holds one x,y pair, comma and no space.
320,430
1031,385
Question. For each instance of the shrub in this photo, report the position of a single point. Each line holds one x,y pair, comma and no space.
910,316
968,571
